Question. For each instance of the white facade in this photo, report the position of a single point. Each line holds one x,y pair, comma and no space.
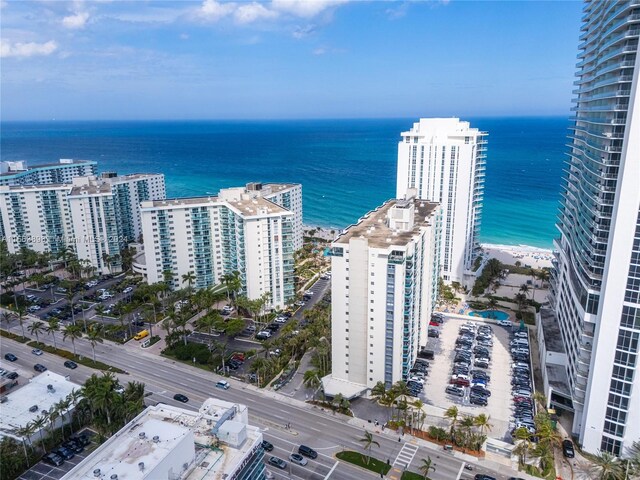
106,214
596,282
214,236
384,282
444,160
37,217
166,442
18,173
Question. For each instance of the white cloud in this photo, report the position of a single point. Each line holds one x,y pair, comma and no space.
319,51
184,36
23,50
214,11
251,12
305,8
76,21
3,3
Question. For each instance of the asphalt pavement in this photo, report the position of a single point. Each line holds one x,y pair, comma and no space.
327,433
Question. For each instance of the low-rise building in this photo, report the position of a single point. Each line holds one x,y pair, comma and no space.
166,442
22,406
384,284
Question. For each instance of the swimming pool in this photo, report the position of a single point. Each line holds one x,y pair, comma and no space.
493,314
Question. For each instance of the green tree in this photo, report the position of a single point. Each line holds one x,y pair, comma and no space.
426,466
482,422
22,313
53,327
36,328
72,332
604,466
452,414
94,337
368,442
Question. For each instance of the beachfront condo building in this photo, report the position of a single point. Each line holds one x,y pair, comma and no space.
236,231
596,280
383,283
19,173
106,217
36,217
444,160
287,195
96,217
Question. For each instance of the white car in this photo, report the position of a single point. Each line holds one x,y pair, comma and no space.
281,320
521,335
127,290
227,309
504,323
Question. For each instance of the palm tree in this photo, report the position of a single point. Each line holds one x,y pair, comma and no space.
21,315
36,328
25,433
94,337
604,466
482,422
6,317
189,278
378,391
73,332
69,296
426,466
368,442
452,414
63,407
523,445
100,311
467,424
53,327
311,379
524,289
38,425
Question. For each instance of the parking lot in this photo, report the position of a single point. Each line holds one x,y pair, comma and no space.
44,471
499,371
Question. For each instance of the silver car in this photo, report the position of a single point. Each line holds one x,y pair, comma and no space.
298,459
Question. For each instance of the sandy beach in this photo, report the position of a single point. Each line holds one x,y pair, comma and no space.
526,255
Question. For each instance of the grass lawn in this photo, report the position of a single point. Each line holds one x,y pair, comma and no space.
412,476
360,460
86,361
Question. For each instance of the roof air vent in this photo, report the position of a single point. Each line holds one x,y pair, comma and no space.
114,476
142,435
156,438
96,472
141,466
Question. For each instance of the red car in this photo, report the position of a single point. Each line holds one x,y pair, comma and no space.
459,381
434,324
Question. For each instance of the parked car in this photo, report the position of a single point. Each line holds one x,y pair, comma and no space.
455,391
267,446
12,375
263,335
478,400
567,449
53,459
277,462
65,453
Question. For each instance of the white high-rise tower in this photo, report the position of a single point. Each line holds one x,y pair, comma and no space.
444,160
596,282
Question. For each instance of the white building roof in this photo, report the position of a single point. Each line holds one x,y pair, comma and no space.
166,435
14,413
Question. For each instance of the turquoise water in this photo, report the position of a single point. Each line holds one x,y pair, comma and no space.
346,167
492,314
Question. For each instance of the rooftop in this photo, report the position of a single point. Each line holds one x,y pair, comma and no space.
15,411
100,185
245,206
165,439
558,380
27,188
375,228
551,331
62,163
450,127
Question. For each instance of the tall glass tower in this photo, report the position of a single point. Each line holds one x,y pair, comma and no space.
596,282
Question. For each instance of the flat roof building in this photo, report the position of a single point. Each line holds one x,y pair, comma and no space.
166,442
384,282
34,399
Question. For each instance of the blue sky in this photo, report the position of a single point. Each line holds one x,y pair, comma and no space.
285,59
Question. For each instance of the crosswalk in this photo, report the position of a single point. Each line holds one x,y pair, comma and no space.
405,456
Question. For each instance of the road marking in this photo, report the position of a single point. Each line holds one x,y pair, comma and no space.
332,469
460,471
405,455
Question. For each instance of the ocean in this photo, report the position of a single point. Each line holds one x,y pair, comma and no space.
346,167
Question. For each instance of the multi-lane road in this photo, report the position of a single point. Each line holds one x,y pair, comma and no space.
326,433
